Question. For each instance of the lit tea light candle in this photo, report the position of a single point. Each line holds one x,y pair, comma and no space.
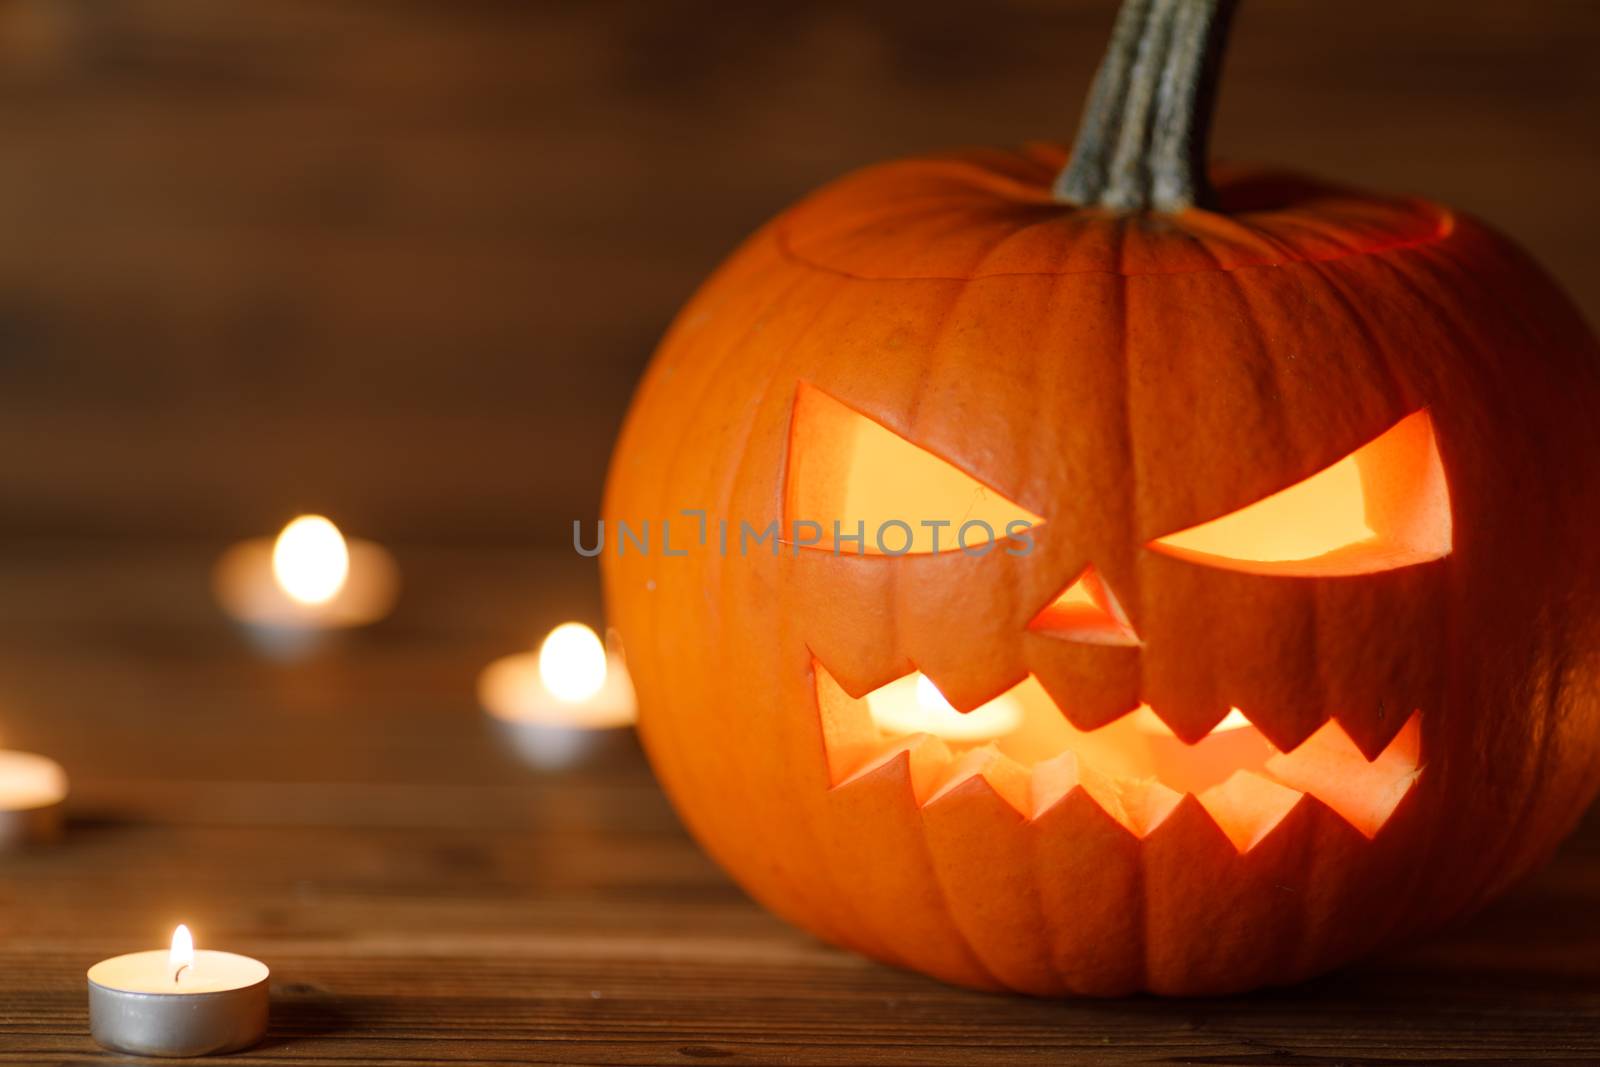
309,578
178,1001
33,793
555,699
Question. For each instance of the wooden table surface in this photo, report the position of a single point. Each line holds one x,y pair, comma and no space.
423,896
402,262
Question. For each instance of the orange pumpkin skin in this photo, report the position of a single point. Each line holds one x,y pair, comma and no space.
1122,378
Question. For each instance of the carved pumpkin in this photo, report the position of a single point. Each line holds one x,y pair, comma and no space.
1292,649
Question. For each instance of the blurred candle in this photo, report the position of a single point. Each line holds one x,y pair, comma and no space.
913,705
33,792
177,1001
310,560
558,699
309,578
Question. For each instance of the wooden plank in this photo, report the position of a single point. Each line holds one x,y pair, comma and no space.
402,262
423,897
386,259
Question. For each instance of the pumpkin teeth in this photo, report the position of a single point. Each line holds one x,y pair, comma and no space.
1371,730
1284,732
1010,779
1248,806
1136,770
927,757
1139,804
1053,781
1330,767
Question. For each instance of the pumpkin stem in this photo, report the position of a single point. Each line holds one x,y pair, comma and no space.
1142,142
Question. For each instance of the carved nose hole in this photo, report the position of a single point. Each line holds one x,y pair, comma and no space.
1086,611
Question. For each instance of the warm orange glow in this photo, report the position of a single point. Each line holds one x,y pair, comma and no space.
1025,725
181,956
913,705
1247,806
1135,768
847,468
572,663
30,781
1325,512
1386,505
1234,720
1086,612
310,560
1139,804
1331,767
1148,721
570,685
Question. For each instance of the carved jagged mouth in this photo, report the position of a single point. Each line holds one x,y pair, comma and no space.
1135,768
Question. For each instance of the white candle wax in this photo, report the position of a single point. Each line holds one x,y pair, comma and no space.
151,972
180,1002
309,577
32,791
512,689
555,703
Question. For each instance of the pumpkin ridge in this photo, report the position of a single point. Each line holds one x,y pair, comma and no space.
1442,231
964,936
726,494
782,288
1511,855
1357,722
1309,223
1133,595
686,772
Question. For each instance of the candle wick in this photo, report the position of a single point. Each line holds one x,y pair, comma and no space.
175,974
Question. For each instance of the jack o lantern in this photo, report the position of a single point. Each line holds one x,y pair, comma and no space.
1264,628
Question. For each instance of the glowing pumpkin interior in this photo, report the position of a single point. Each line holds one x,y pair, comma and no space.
1136,768
1384,506
848,470
1381,507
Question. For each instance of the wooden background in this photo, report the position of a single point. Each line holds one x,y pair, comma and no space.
401,262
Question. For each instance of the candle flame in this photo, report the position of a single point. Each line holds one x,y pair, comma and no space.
310,560
182,954
572,663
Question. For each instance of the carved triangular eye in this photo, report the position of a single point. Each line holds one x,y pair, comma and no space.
846,469
1088,612
1384,506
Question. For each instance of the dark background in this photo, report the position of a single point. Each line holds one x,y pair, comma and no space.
402,261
